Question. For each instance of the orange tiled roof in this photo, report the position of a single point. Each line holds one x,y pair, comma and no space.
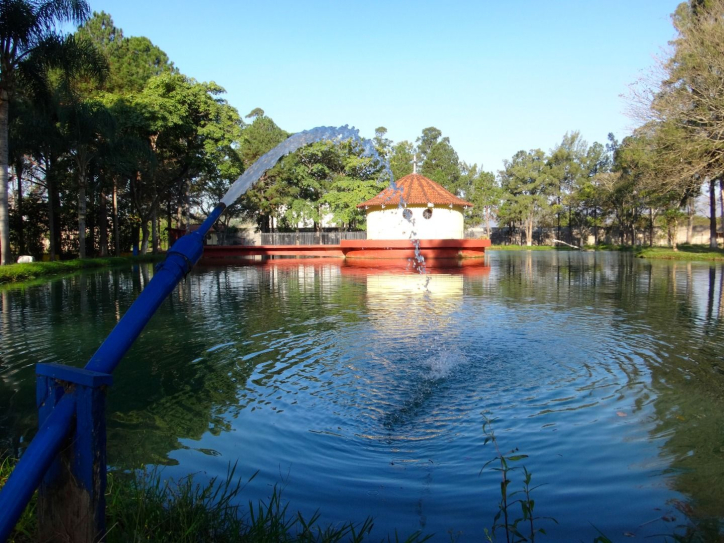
416,189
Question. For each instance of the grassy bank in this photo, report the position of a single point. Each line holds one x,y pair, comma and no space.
521,248
685,252
142,506
610,247
14,273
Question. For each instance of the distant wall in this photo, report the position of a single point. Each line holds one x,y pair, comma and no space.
546,236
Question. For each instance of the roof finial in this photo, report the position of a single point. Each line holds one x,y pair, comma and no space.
414,163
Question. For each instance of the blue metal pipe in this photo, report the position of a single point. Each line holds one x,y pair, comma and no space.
184,254
32,466
36,459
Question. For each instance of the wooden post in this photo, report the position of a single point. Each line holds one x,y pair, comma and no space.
71,504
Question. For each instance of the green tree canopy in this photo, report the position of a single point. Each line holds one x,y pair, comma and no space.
440,162
481,189
29,44
401,158
132,60
526,182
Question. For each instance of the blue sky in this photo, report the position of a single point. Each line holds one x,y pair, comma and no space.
494,76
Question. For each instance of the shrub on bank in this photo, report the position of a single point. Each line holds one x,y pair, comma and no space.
142,506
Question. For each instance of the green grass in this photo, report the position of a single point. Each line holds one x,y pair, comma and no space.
610,247
525,248
25,528
143,506
685,252
15,273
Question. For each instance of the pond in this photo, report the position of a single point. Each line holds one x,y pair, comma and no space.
363,392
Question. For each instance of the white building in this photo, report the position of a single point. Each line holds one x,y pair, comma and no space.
418,209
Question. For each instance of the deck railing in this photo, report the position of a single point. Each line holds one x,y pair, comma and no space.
309,238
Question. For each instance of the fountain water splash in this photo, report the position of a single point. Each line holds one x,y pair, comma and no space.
294,142
418,261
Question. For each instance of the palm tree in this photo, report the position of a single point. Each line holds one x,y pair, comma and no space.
29,44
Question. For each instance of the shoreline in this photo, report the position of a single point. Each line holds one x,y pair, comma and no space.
13,274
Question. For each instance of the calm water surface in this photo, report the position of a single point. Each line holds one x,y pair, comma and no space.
363,393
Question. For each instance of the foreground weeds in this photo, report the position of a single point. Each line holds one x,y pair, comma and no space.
526,526
25,528
143,506
516,521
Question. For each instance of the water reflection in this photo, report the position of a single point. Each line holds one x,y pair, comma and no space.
670,317
372,380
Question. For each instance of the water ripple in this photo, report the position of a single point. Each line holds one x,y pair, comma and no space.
605,370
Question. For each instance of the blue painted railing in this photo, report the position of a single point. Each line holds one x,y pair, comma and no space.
71,403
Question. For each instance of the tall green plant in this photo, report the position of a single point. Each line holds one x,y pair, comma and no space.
521,528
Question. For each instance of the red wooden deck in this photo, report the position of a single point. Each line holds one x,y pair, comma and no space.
223,251
431,249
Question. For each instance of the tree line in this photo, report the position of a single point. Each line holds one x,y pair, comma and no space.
103,140
103,143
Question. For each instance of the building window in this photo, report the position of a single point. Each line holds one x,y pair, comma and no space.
427,213
407,215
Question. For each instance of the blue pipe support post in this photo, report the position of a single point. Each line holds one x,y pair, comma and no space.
33,465
69,395
71,502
